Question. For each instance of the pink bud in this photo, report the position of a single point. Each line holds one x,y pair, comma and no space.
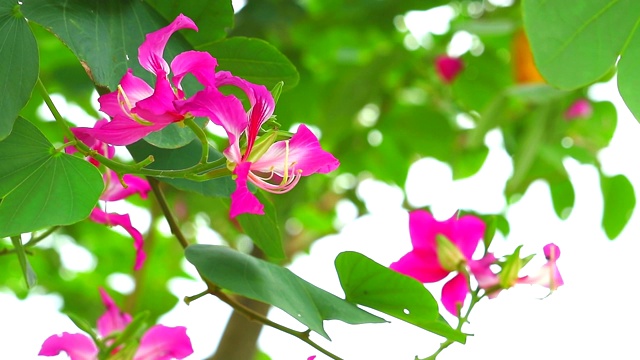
580,108
448,68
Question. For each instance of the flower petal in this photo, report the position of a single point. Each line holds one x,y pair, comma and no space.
199,63
134,89
115,191
164,343
423,269
242,200
454,292
466,232
423,229
123,130
159,107
77,346
112,219
113,319
151,50
303,154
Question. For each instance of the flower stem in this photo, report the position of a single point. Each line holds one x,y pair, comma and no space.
201,136
54,110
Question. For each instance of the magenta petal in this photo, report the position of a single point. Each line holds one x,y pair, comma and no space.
124,131
199,63
115,191
481,270
551,251
134,89
151,51
454,292
164,343
112,219
448,68
304,155
581,108
77,346
465,232
159,107
423,229
423,269
242,200
113,319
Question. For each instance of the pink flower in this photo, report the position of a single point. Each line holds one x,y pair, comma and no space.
448,68
580,108
269,163
158,343
136,108
548,275
440,248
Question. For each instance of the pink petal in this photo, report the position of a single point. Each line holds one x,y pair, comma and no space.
423,229
123,130
465,232
260,112
152,49
551,252
242,200
548,275
448,68
164,343
481,270
115,191
425,269
159,107
113,219
113,319
304,155
77,346
581,108
134,88
311,357
201,64
454,292
224,78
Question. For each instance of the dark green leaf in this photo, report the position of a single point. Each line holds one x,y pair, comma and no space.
264,230
19,59
173,136
619,202
370,284
213,18
41,187
275,285
182,158
254,60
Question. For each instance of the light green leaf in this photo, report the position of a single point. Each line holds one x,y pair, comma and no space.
19,59
254,60
619,202
264,230
27,271
370,284
575,42
275,285
40,187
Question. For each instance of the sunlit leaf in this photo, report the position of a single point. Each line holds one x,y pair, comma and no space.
27,271
19,59
370,284
275,285
41,187
619,202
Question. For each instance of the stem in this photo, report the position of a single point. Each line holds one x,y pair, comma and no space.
54,110
201,136
168,214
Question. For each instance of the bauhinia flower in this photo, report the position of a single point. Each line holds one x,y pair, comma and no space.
548,275
579,109
158,343
270,163
440,248
115,190
135,107
448,68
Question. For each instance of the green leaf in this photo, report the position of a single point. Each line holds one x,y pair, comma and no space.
510,269
19,59
275,285
563,196
254,60
173,136
370,284
264,230
182,158
27,271
598,32
619,202
41,187
213,18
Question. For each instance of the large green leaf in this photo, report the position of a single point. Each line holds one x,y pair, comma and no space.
576,42
264,230
370,284
182,158
213,17
254,60
275,285
619,202
41,187
19,69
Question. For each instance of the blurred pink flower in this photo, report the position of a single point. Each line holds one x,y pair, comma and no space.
270,164
448,67
580,108
548,275
430,261
158,343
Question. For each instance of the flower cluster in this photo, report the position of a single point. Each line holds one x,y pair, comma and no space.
444,247
267,159
157,343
